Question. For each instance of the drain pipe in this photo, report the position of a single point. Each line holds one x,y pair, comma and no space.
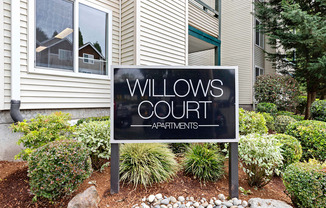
15,62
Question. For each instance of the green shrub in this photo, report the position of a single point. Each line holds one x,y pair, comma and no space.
292,151
305,184
302,104
95,135
269,121
147,163
179,148
251,122
58,168
278,89
281,122
312,136
291,114
260,157
41,130
267,108
204,163
318,110
86,120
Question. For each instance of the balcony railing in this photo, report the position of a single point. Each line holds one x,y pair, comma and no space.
205,7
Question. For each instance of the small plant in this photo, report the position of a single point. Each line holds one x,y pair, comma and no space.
291,114
86,120
312,136
318,110
278,89
269,121
41,130
267,108
204,163
281,122
147,163
292,151
179,148
305,184
58,168
244,191
251,122
95,135
260,157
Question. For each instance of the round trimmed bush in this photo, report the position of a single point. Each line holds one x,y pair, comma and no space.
251,122
281,122
58,168
305,184
291,114
278,89
312,136
95,135
204,162
270,122
267,108
260,157
318,110
292,150
147,163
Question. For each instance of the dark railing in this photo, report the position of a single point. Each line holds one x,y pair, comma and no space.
203,6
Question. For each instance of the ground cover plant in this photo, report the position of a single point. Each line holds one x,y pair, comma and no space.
251,122
58,168
260,157
305,184
204,163
147,163
95,135
41,130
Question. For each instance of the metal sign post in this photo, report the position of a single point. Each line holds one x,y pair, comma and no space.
174,105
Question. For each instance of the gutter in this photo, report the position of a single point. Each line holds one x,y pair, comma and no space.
15,62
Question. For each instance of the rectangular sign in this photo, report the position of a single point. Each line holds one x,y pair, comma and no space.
174,104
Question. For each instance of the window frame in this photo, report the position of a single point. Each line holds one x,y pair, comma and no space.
260,70
32,68
261,37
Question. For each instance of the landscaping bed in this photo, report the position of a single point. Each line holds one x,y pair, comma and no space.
14,188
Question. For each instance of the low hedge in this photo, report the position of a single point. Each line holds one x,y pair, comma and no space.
318,110
305,184
312,136
267,108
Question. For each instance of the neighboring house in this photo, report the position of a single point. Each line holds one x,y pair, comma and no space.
55,55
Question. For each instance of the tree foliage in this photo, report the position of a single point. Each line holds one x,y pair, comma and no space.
297,29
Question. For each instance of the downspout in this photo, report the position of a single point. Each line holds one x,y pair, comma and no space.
15,62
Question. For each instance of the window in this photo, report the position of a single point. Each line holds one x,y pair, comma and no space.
259,71
88,58
259,35
72,36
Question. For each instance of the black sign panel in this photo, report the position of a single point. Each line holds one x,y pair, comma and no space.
174,104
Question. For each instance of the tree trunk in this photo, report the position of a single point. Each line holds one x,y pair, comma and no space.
311,97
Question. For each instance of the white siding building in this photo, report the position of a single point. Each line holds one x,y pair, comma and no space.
55,55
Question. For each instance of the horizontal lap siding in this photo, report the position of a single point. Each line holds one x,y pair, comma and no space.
39,91
128,32
237,43
202,58
162,32
259,57
6,47
203,21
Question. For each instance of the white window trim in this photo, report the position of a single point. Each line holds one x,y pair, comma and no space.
59,72
260,68
261,36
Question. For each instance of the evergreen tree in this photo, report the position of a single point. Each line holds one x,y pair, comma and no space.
297,29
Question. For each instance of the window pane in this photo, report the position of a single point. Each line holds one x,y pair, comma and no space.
257,33
54,34
257,71
92,40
